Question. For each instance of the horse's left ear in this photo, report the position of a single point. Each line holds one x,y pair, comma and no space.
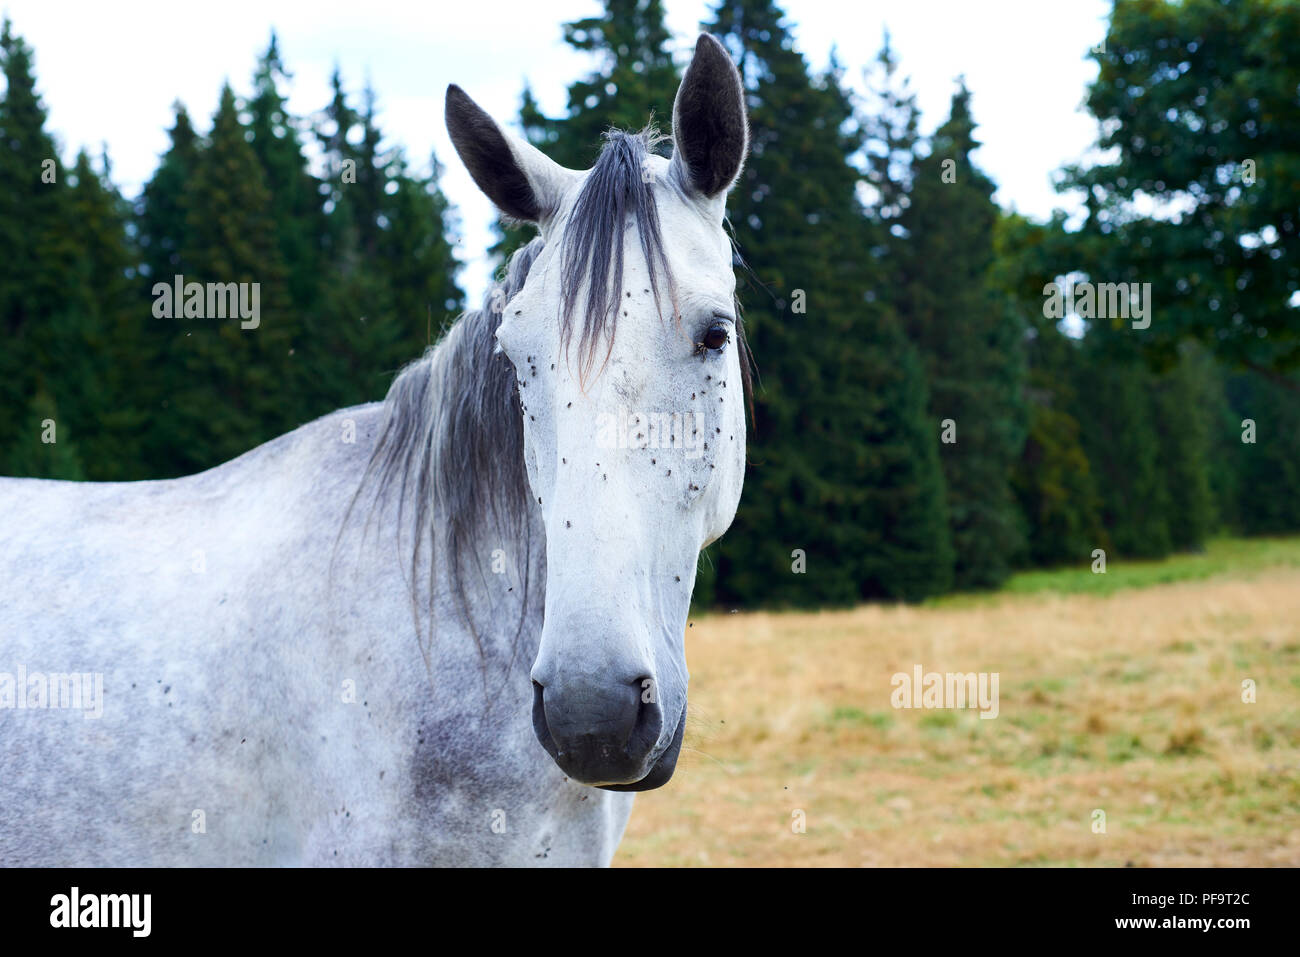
520,179
710,129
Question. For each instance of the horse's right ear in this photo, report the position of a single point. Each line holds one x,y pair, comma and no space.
523,182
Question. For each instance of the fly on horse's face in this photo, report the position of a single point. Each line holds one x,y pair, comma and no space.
633,410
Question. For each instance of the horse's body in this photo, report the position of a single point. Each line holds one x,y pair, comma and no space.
443,630
228,697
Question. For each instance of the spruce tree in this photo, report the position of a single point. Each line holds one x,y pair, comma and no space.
391,283
1263,443
37,246
416,257
162,222
634,80
331,130
1183,416
43,445
1052,479
890,120
163,232
842,462
104,377
970,339
230,381
295,192
1114,405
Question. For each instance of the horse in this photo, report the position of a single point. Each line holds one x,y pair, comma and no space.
444,629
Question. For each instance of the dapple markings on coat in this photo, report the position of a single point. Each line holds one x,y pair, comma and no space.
498,718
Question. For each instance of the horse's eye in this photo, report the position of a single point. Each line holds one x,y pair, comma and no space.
717,336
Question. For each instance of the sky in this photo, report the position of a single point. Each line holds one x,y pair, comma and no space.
109,72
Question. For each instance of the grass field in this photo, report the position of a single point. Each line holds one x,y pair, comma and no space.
1120,693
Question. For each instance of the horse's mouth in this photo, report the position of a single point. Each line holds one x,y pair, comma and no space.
662,770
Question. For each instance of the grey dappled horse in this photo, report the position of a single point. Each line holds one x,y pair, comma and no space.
444,629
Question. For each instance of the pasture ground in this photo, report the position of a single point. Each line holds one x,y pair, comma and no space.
1121,694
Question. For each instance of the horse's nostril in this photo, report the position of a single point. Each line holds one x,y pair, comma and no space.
599,732
649,718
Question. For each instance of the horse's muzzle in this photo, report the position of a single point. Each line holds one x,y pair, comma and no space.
662,769
606,736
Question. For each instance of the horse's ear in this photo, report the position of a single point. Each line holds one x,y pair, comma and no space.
710,129
522,181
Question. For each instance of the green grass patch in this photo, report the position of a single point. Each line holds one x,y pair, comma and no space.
938,720
1222,557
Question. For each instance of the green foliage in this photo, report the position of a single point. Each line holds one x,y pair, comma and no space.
1183,419
970,339
883,292
42,447
106,366
295,204
1267,491
37,250
162,219
1112,402
351,275
226,382
634,82
843,461
1198,101
1238,557
1052,479
1053,485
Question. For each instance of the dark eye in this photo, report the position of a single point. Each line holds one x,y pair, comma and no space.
717,336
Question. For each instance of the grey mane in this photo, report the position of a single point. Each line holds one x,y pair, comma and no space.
451,444
451,441
615,189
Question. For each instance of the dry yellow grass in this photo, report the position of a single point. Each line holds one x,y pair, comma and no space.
1131,704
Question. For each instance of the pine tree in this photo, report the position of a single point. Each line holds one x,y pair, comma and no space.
332,130
42,446
1114,399
37,249
340,354
1052,479
351,277
162,221
417,258
295,193
890,120
970,339
634,80
104,373
163,232
229,382
367,195
391,276
1263,443
1183,420
843,464
1225,460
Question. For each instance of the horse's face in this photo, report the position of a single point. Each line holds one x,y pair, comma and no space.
634,441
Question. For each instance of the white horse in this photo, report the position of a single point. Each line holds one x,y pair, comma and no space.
444,629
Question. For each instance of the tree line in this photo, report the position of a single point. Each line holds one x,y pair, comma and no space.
923,422
351,254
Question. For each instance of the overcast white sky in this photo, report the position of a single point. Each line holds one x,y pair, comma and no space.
109,72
